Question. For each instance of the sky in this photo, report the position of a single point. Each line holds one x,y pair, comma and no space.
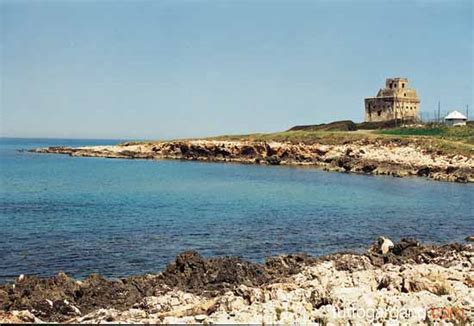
191,68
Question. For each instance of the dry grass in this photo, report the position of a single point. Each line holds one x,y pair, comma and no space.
448,141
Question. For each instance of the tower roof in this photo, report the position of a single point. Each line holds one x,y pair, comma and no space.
398,78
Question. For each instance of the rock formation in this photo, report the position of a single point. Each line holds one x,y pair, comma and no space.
368,156
410,283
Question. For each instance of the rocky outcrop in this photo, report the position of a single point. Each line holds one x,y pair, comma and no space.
379,157
410,283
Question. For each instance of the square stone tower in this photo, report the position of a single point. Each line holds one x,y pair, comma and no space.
394,101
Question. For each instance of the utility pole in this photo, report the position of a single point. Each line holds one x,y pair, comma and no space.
439,111
467,112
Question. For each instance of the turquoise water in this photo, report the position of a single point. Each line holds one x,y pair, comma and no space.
124,217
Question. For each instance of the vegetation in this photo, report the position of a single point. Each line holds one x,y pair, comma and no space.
457,140
307,137
450,140
464,134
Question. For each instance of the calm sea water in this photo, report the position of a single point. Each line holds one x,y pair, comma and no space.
124,217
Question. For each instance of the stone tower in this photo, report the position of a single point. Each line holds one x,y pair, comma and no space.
394,101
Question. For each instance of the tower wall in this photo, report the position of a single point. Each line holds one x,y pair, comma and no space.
395,101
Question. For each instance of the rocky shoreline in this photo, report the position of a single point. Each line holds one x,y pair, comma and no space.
368,156
406,282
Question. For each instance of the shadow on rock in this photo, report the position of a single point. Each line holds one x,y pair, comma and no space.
60,298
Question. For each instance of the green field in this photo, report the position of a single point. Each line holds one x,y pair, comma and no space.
463,134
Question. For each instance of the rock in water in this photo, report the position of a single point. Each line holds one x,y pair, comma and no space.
470,238
382,246
387,244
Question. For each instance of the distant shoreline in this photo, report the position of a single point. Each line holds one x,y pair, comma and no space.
361,155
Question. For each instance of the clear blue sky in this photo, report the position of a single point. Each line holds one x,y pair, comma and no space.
166,69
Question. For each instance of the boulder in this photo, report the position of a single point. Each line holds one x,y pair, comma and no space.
382,246
273,160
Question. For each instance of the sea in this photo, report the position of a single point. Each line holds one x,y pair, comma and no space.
122,217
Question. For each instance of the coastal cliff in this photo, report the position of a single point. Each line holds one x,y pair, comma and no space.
404,282
378,156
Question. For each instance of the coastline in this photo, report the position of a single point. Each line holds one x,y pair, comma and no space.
398,158
419,282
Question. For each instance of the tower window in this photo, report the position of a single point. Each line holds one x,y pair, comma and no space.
405,94
403,85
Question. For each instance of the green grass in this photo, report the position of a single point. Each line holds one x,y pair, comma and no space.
464,134
450,140
414,131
